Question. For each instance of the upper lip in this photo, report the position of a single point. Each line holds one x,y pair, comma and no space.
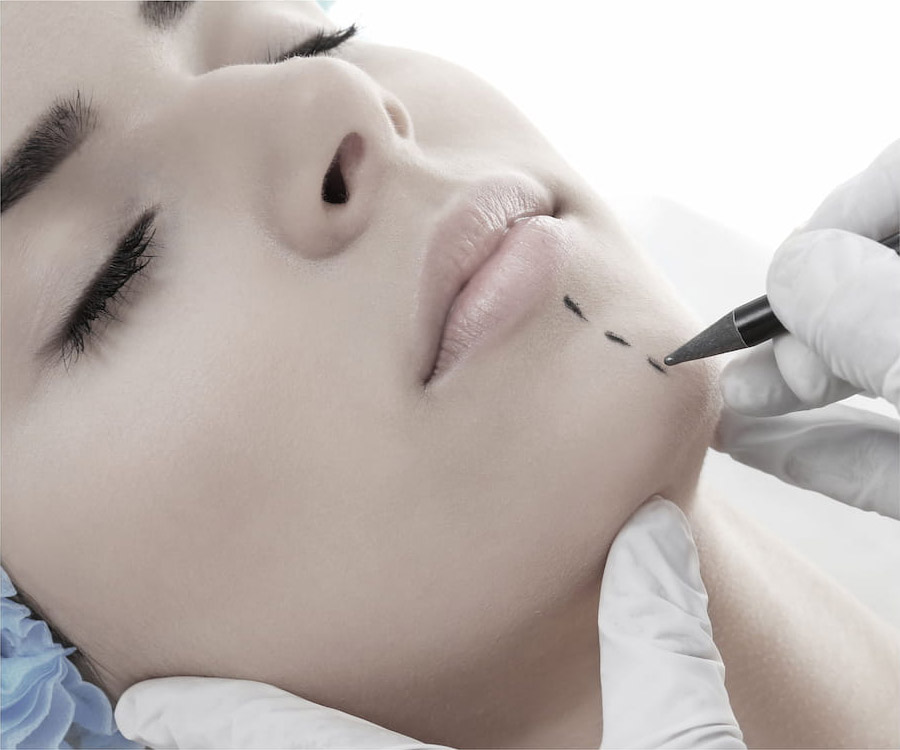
461,243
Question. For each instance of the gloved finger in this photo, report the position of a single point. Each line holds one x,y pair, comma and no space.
662,679
867,204
778,377
849,454
807,375
208,712
838,293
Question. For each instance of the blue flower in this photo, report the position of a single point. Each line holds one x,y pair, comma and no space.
44,703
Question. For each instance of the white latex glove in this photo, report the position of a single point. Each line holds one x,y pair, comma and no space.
662,679
661,675
837,291
209,712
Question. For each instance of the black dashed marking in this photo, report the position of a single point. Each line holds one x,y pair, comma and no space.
573,307
617,338
657,365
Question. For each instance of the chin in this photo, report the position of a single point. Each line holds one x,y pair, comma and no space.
689,422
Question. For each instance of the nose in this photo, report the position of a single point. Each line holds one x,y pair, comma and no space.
311,142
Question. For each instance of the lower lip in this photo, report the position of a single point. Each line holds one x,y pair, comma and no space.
522,271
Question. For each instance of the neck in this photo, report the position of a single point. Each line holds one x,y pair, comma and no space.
807,665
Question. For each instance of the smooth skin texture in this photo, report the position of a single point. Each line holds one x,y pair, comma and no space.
245,477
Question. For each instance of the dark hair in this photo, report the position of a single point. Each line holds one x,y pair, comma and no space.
81,661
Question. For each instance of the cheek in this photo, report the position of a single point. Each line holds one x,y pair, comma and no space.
632,428
152,492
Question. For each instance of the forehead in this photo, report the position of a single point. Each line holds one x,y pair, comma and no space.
51,48
108,50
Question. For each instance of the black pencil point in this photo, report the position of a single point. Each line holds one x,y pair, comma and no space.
722,336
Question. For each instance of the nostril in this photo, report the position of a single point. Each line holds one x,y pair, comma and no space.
338,179
334,189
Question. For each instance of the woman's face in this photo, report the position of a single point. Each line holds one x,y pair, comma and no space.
245,473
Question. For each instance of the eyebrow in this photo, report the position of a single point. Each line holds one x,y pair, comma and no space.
164,14
57,135
66,125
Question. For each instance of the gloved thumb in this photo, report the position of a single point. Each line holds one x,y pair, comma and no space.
781,376
838,293
662,679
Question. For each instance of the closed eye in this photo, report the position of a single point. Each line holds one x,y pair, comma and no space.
323,41
110,284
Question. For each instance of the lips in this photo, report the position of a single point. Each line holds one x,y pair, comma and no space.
462,242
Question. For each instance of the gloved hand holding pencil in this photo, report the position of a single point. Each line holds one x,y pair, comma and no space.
837,291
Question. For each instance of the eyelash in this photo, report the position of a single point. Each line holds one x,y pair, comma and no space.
319,44
129,261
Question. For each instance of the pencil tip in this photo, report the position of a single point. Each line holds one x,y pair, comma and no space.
720,337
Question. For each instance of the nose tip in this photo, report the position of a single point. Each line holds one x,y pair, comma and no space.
327,174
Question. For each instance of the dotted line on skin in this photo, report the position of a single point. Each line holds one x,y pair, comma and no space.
571,304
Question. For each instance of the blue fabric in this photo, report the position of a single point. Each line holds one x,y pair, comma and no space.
325,4
44,702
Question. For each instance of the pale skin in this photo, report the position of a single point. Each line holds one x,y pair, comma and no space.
245,477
